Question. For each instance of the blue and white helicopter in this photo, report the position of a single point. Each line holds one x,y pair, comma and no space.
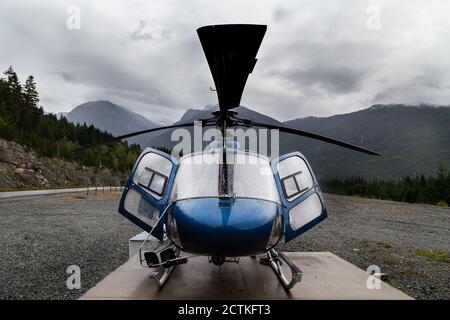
224,202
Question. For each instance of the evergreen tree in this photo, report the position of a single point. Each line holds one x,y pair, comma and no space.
31,97
31,102
23,121
417,189
13,82
13,98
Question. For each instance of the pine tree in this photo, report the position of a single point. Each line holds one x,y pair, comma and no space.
31,101
13,81
14,97
23,121
31,95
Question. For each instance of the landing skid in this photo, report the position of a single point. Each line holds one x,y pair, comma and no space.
165,268
164,256
165,260
167,257
274,259
161,281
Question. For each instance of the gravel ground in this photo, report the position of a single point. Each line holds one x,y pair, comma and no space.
386,234
41,236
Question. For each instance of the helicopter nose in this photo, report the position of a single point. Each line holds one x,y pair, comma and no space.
231,227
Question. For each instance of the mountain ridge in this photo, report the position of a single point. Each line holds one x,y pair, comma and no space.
111,117
411,139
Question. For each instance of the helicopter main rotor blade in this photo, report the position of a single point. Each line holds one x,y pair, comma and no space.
230,51
137,133
316,137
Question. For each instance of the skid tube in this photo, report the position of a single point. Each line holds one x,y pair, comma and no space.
274,259
168,265
165,276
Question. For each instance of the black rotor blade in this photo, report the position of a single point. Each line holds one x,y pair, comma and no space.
136,133
230,50
317,137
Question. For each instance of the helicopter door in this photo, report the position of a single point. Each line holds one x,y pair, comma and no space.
303,204
147,191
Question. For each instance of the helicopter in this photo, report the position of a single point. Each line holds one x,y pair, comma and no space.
224,202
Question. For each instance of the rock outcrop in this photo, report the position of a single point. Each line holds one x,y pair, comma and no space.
21,167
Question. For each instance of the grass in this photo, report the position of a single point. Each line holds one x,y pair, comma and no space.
434,255
442,203
409,271
384,244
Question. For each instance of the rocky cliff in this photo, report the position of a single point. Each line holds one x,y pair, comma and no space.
22,168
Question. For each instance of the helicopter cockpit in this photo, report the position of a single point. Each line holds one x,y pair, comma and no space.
250,176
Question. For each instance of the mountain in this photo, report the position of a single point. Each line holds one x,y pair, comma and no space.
111,117
59,115
412,140
163,139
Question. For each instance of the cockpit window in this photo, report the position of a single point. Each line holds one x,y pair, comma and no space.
250,176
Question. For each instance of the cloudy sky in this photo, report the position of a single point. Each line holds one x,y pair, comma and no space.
318,57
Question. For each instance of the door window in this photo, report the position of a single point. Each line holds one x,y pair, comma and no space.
152,174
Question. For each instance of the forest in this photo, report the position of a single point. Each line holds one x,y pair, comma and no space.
418,189
24,121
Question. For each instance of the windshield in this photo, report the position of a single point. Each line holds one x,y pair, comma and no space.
250,177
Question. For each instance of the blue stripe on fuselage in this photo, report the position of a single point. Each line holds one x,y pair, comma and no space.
231,227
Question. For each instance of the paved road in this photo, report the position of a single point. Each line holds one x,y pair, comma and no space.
29,193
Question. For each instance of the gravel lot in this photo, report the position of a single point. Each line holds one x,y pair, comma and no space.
387,234
41,236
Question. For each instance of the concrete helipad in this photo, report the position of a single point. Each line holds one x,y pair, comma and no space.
325,276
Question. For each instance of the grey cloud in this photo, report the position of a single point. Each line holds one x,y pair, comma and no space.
149,29
68,77
46,99
148,96
433,80
333,80
421,88
154,108
280,13
107,75
317,58
412,93
385,95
